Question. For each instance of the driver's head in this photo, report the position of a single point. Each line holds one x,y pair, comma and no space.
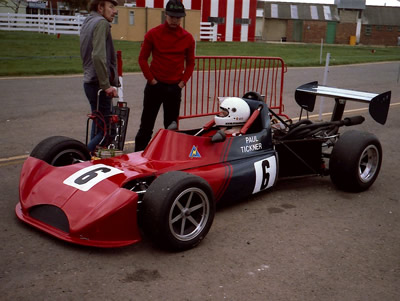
233,111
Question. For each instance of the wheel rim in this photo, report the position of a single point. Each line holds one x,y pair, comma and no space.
189,214
368,163
68,157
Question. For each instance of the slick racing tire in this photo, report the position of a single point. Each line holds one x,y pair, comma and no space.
178,210
61,151
355,161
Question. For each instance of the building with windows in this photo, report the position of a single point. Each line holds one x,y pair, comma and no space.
380,26
132,23
345,22
235,20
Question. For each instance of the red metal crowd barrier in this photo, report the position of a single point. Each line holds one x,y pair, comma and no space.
221,76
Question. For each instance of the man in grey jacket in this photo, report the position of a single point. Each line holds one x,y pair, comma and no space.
99,65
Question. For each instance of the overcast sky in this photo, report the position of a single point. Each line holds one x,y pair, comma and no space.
369,2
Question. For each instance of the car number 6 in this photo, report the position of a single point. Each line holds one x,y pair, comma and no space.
265,174
86,178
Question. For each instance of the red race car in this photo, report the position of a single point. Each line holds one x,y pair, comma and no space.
170,190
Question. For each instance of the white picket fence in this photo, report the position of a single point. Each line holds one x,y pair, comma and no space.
50,24
57,24
208,31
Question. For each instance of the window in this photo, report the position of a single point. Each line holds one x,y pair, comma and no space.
163,17
242,21
216,20
368,30
115,21
389,28
379,27
131,17
294,12
314,12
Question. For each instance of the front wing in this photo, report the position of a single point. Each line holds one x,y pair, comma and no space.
103,216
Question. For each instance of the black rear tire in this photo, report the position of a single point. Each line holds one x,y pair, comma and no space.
177,210
355,161
61,151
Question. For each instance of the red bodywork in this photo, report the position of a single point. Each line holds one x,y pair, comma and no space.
106,214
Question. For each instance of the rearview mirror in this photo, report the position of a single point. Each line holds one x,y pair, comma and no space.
218,137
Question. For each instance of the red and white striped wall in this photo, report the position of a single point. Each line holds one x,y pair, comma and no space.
230,11
189,4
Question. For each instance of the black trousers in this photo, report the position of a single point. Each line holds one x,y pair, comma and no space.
169,95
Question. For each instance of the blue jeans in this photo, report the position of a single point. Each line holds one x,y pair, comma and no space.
104,106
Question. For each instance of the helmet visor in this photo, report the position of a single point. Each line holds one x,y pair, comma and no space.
223,112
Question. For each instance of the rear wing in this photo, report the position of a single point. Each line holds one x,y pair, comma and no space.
306,94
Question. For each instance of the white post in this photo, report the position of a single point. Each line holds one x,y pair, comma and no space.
41,26
78,20
121,80
321,105
214,32
320,53
121,89
358,30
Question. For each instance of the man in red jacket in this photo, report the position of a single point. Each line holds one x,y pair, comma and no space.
172,50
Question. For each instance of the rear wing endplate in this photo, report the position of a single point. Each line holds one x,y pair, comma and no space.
306,94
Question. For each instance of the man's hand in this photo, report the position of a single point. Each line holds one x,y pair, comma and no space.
181,84
111,92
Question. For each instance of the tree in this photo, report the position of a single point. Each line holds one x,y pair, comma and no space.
77,4
13,4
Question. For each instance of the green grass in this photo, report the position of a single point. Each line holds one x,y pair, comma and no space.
24,53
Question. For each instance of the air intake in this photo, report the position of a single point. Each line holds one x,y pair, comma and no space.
50,215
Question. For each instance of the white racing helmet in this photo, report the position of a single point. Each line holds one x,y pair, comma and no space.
233,111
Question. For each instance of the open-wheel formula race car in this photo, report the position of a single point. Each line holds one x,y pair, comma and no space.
170,190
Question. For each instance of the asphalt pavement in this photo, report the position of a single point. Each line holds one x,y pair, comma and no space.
302,240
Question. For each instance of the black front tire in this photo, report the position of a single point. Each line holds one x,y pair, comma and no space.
177,210
61,151
355,161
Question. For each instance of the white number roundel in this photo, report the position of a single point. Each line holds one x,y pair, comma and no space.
87,177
